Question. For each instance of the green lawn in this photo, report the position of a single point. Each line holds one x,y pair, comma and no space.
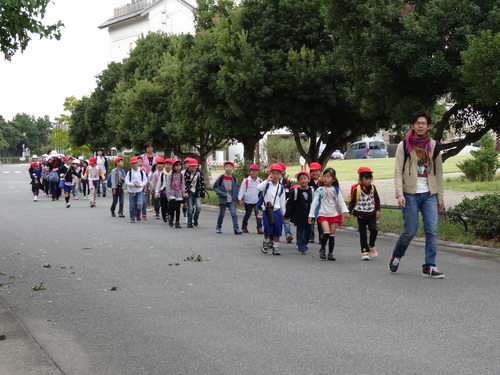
461,184
382,168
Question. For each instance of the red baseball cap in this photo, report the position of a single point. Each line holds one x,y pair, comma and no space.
133,159
315,166
35,164
254,166
160,160
67,157
193,162
168,161
364,169
117,160
282,165
276,167
188,160
303,172
93,160
229,162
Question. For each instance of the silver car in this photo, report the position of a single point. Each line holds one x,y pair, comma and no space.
369,149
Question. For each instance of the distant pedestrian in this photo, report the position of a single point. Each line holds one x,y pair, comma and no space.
364,204
117,176
298,207
135,179
327,208
93,174
149,161
315,182
36,177
226,188
195,190
176,192
249,196
153,180
418,179
102,162
67,171
287,184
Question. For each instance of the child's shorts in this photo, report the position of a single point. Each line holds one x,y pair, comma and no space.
276,229
330,219
67,189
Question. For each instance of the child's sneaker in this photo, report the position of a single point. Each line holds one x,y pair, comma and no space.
132,220
218,230
394,263
238,231
264,247
144,217
157,216
35,198
195,223
433,272
322,253
260,230
120,214
77,197
276,251
365,255
138,217
245,229
331,257
190,225
289,238
68,205
177,225
373,251
113,214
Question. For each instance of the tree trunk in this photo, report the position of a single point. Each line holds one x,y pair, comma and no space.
249,149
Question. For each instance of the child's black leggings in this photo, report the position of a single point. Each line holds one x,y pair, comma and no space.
175,207
371,223
164,206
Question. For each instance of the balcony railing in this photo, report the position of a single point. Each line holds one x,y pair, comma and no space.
133,6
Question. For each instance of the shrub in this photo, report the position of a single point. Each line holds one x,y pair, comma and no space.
488,205
282,150
242,170
484,162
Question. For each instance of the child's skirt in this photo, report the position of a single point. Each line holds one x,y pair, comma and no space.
331,220
276,229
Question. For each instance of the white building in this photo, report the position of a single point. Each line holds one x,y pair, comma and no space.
139,17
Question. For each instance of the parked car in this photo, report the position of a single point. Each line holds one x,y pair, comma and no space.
369,149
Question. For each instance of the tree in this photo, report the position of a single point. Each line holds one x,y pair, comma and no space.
197,107
19,19
403,56
3,142
91,118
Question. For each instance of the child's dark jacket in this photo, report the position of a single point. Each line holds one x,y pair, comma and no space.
200,183
297,207
220,190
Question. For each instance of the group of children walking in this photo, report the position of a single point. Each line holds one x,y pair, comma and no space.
167,186
315,200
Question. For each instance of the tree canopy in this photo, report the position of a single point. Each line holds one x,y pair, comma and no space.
19,19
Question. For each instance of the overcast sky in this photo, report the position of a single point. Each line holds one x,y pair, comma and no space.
37,81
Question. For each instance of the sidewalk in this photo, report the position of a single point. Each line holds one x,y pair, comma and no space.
20,354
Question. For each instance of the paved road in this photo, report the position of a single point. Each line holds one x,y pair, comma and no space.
237,312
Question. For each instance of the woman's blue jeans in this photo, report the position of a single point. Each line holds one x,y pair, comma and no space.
428,206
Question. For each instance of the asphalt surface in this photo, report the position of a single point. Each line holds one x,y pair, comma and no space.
236,312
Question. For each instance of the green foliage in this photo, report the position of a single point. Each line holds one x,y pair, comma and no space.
38,287
24,129
281,149
488,205
484,162
18,20
482,55
405,56
242,170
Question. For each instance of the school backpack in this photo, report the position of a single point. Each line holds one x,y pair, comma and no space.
109,183
142,174
263,194
53,176
356,192
321,191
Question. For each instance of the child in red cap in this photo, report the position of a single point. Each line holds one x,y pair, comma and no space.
249,196
273,203
297,209
226,188
365,205
117,180
93,173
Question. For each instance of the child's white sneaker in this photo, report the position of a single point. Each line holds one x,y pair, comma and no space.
365,256
373,251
